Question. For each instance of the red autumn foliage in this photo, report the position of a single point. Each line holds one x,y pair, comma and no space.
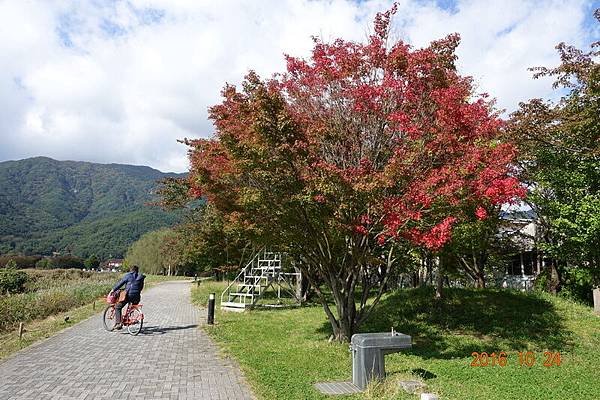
481,213
393,126
361,145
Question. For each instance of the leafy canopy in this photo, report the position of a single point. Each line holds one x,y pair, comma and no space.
348,154
368,138
560,160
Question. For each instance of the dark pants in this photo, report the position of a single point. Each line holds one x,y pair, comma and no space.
133,299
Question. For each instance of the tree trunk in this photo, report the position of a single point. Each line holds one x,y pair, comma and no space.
302,287
474,266
554,279
341,327
439,284
479,279
350,313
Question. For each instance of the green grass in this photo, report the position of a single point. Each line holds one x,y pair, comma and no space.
52,295
283,352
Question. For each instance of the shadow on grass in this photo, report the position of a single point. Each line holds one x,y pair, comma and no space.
423,373
274,307
467,321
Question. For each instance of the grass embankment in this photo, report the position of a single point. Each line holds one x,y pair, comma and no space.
51,296
284,352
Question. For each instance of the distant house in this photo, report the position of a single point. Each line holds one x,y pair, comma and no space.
528,261
112,265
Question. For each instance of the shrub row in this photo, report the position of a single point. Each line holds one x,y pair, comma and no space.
43,262
44,303
63,278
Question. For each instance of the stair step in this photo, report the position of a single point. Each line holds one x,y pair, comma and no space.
233,306
239,294
263,271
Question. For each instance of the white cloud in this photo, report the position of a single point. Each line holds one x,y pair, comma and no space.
121,81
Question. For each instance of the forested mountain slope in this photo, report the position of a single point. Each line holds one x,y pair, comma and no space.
85,208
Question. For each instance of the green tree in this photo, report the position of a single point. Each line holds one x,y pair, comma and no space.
349,155
91,262
206,243
560,159
152,254
476,247
11,279
42,263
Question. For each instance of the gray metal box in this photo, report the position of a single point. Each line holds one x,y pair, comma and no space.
368,351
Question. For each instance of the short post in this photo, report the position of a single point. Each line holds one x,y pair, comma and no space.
596,293
211,309
94,305
20,330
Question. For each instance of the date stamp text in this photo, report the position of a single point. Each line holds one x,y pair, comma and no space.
523,359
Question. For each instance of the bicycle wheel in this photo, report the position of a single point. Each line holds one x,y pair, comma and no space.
108,318
136,321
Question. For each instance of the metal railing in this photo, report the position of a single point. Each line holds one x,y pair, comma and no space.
236,280
263,272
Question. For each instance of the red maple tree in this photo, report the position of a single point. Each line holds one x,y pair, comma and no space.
351,154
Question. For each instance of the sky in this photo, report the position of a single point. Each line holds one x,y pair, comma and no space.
115,81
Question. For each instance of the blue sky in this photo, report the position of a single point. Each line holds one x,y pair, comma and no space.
121,81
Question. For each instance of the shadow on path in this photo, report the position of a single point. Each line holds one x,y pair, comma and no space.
161,330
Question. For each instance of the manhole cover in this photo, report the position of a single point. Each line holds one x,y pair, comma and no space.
333,388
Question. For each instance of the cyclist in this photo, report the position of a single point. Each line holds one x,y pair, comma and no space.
134,282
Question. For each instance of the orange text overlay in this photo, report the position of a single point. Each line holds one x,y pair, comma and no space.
522,359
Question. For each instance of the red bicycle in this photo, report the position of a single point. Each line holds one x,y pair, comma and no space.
132,317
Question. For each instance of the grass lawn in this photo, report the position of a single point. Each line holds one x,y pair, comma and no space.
284,351
76,290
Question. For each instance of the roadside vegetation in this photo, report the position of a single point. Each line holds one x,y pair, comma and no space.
49,296
283,352
51,292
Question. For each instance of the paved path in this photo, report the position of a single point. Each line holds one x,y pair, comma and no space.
170,359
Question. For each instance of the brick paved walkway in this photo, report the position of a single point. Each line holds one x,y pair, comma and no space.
170,359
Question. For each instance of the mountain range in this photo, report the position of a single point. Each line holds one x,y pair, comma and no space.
79,208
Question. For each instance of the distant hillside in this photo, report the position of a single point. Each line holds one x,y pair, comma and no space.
86,208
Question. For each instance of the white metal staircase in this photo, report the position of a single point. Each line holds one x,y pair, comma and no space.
256,277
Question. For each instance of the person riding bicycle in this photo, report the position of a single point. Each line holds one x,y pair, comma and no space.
134,282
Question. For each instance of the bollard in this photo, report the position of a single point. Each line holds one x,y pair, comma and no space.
20,330
211,309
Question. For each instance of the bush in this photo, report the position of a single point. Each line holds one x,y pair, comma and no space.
577,284
12,280
541,281
21,261
65,262
52,292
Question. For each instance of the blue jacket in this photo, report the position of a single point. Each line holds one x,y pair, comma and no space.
134,281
